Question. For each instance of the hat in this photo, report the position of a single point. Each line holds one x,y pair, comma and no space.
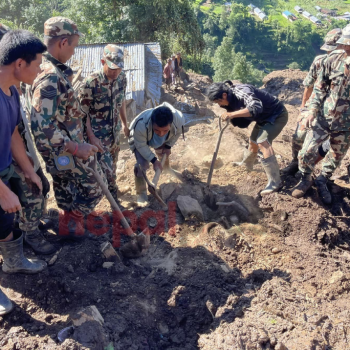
57,26
345,38
330,41
3,30
114,56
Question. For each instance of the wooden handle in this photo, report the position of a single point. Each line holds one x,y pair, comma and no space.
158,171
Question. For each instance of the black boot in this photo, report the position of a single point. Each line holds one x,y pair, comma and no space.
322,189
15,261
292,168
38,243
304,184
272,171
5,304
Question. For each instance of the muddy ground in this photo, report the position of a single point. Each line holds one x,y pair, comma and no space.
269,273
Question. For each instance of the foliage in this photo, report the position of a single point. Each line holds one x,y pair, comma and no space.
293,65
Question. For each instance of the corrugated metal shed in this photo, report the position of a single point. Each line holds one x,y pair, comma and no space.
306,14
141,85
257,10
298,9
314,19
262,16
318,8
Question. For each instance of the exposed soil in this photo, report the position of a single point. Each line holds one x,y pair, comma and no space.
265,273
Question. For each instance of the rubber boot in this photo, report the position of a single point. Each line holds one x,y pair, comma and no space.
272,171
292,168
5,304
71,226
322,189
38,243
141,192
15,261
248,160
301,188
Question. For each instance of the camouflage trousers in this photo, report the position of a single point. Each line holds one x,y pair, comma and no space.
32,201
315,137
299,134
108,161
77,189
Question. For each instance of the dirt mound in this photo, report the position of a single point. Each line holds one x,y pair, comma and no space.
286,85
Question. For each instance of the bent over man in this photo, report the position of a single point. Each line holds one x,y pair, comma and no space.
158,128
245,104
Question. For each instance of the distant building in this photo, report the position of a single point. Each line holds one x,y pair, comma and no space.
262,16
298,9
329,12
315,20
343,17
306,14
290,16
257,11
318,8
251,7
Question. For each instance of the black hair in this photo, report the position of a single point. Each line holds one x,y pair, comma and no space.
216,90
17,44
162,116
68,72
52,40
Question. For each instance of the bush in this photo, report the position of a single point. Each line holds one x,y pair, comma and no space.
293,65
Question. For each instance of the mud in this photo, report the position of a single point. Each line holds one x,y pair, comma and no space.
273,275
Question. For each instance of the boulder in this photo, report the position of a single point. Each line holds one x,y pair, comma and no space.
190,207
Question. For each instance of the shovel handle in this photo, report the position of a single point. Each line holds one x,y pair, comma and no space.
158,172
110,198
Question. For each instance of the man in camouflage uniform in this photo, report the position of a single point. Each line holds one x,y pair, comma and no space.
300,132
329,117
57,126
102,98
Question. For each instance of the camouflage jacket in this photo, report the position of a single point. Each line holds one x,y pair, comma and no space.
331,94
101,99
314,69
56,115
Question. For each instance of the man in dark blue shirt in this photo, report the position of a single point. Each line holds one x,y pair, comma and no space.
20,59
245,104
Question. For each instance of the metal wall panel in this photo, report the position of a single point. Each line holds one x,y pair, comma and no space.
154,72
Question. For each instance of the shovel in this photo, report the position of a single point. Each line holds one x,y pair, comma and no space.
209,195
139,243
152,186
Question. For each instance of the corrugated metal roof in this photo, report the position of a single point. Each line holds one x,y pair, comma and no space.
142,65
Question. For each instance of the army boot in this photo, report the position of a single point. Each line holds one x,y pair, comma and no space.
322,189
35,239
272,171
15,261
301,188
248,160
5,304
141,192
292,167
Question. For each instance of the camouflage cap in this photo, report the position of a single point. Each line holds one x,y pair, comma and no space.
114,56
330,41
3,30
57,26
345,38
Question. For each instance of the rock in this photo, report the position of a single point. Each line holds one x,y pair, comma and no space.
120,166
284,216
108,250
124,190
90,313
234,219
224,268
336,277
53,260
206,162
107,265
168,98
276,250
179,90
91,335
280,346
177,291
190,206
167,190
185,107
70,269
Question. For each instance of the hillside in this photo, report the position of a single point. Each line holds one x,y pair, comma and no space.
266,273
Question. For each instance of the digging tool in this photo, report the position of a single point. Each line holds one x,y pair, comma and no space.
140,242
222,129
210,195
153,185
